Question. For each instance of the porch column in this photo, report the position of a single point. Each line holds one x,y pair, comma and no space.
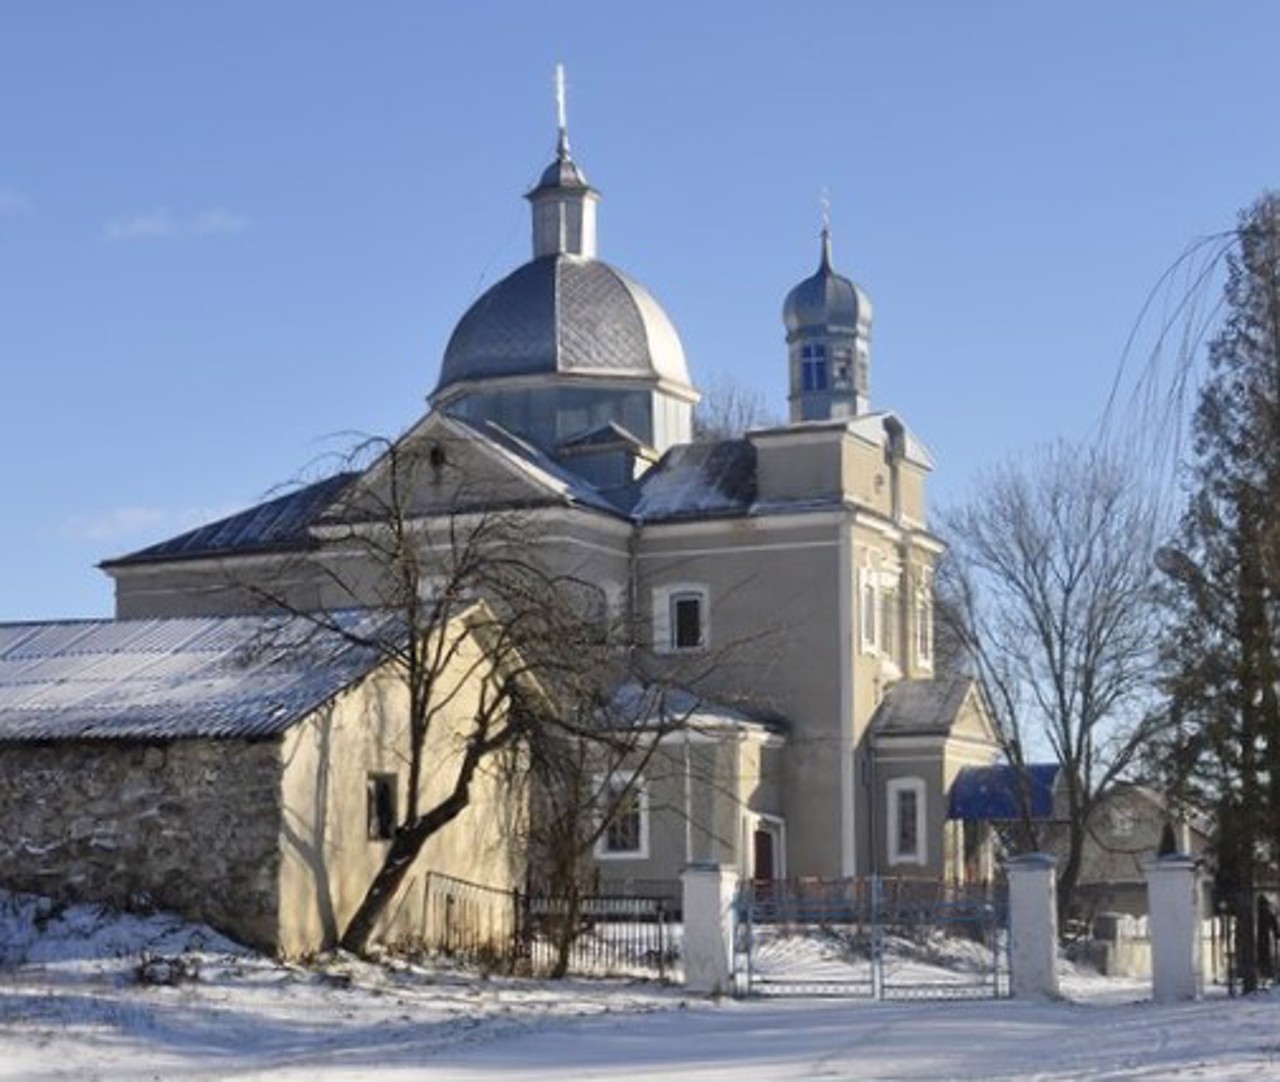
1033,925
1173,902
709,891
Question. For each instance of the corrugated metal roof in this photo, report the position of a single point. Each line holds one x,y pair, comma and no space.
280,523
992,792
165,679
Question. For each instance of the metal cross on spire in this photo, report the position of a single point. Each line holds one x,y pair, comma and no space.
824,204
562,119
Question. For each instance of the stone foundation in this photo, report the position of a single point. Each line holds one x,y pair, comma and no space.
192,826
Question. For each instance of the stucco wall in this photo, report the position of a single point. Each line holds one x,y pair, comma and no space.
328,859
191,825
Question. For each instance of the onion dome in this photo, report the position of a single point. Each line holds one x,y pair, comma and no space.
827,302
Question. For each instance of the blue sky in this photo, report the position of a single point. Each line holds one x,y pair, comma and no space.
229,231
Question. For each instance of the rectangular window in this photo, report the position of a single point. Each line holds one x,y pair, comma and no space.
889,625
814,375
924,630
680,618
869,638
626,832
380,807
906,826
686,621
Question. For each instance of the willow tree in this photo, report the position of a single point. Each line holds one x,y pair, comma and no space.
1223,645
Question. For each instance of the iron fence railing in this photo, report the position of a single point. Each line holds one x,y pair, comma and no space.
542,934
601,935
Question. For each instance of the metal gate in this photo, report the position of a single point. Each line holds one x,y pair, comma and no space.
871,937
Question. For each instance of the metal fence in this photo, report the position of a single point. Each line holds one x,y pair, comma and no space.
601,936
872,937
539,934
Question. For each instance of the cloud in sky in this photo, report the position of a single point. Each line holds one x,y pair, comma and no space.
123,523
163,224
12,201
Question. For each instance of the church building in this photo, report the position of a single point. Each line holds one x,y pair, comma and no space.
782,578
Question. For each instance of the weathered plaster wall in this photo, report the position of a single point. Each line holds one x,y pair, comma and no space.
329,858
192,825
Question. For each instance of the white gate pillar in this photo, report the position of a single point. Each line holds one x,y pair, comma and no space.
1033,925
1173,901
708,891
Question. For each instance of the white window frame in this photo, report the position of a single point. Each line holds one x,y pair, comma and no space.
634,787
869,610
924,630
664,628
893,793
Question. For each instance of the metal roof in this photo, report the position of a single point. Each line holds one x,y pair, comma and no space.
919,707
696,479
650,706
215,677
992,792
281,523
564,314
827,301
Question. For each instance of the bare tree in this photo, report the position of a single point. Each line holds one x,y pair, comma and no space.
728,409
1049,587
472,621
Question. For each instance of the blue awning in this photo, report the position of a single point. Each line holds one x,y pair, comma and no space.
992,792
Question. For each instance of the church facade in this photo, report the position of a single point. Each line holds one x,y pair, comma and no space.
779,583
790,568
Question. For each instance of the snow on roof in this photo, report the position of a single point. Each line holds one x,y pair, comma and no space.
698,479
538,466
280,523
161,679
651,706
921,706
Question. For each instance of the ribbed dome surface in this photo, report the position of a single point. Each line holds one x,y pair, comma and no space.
564,314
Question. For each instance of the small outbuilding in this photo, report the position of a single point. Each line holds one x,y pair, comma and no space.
241,770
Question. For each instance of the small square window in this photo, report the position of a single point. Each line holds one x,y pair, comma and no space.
380,807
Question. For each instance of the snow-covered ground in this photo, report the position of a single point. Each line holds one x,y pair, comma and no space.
72,1006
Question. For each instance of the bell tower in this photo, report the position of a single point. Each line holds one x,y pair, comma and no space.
828,321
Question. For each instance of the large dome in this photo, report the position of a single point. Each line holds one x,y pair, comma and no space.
565,315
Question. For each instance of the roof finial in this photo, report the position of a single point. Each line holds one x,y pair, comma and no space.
824,203
562,145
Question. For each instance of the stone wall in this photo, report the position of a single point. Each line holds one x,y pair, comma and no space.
193,826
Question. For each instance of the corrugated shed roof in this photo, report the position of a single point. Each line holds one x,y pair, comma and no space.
920,707
280,523
992,792
165,679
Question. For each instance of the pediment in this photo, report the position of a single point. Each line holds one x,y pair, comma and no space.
443,465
